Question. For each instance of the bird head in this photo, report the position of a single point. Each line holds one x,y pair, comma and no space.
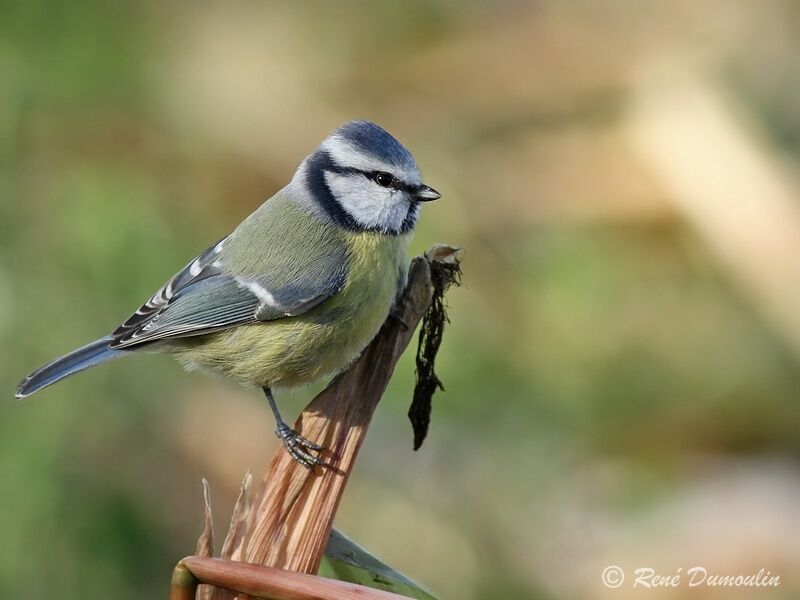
365,180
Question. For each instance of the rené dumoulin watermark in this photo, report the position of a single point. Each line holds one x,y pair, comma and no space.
697,576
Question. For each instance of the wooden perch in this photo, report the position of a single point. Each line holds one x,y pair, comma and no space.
290,521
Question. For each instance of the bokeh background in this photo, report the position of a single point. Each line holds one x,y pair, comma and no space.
622,366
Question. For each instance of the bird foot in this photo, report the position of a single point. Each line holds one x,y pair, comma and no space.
298,447
399,318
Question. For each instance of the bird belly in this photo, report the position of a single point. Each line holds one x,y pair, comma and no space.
298,350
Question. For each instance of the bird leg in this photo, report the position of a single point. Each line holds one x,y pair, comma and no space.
296,445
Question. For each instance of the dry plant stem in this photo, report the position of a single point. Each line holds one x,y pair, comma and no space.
205,544
264,582
184,584
295,510
288,524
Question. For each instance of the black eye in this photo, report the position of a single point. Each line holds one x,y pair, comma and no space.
384,179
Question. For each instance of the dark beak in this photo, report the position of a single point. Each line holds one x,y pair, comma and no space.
425,193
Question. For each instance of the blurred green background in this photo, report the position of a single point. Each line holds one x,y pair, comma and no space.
622,366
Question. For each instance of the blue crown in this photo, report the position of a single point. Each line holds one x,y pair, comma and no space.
375,141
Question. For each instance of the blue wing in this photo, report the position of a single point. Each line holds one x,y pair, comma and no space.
203,297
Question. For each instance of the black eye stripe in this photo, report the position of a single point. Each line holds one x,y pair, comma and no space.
320,163
396,184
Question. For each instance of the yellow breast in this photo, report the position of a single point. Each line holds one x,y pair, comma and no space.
325,340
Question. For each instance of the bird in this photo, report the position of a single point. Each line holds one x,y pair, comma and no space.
296,292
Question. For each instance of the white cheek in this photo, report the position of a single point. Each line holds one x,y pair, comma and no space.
370,205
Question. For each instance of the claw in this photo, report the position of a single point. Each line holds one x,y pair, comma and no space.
297,446
399,318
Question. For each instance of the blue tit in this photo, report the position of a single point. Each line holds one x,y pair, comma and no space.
299,288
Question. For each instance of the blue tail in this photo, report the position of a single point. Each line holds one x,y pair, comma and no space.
90,355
